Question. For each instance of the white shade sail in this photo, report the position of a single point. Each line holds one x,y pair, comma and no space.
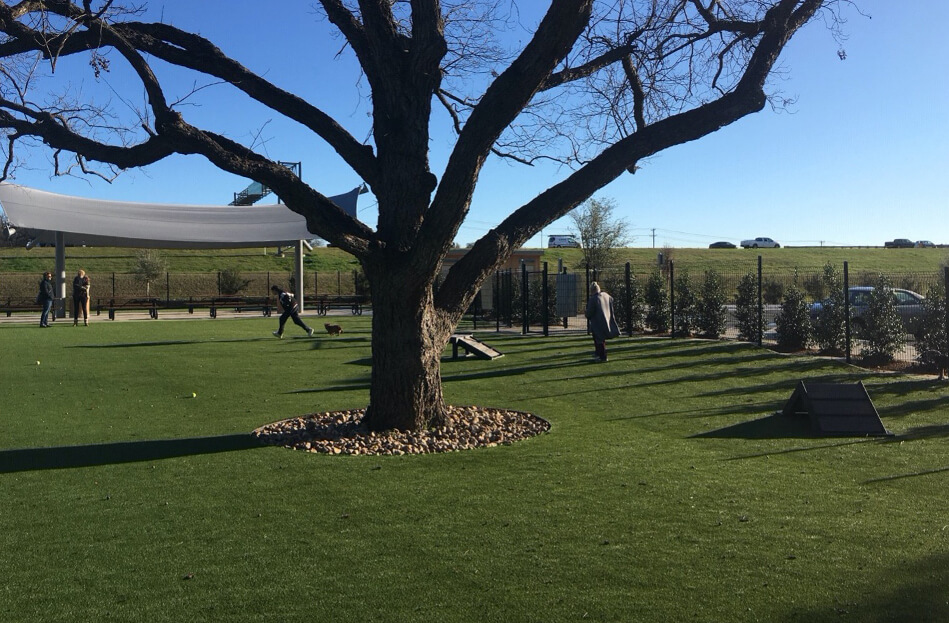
99,222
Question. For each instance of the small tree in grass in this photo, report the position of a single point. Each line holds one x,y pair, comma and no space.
931,345
831,324
793,321
711,316
232,282
638,306
746,308
657,304
685,305
149,266
884,333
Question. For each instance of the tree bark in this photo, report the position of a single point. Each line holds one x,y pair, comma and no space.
408,337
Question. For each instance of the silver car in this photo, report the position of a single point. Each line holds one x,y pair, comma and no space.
909,305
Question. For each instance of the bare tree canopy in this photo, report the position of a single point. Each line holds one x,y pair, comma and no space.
600,232
596,85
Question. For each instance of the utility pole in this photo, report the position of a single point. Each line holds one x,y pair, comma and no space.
653,237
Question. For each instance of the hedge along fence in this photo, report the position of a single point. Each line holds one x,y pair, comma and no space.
719,302
182,286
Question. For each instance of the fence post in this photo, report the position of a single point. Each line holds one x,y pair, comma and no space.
167,286
545,297
497,301
945,278
847,335
113,285
672,299
586,293
760,307
629,303
525,323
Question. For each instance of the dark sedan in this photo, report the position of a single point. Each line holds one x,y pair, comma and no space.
722,245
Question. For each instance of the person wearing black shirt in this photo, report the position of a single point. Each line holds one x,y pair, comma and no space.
80,298
45,298
290,310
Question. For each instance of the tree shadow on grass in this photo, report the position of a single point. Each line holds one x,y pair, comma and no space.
174,343
774,426
60,457
915,590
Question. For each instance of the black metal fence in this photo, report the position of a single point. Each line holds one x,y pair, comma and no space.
543,302
171,286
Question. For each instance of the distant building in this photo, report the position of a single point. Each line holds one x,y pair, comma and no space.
532,258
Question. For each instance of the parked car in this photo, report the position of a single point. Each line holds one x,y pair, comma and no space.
924,244
556,242
899,243
909,305
722,244
760,242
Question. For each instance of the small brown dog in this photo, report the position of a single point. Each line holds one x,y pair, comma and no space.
333,329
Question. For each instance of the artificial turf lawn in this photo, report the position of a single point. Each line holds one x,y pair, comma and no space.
651,499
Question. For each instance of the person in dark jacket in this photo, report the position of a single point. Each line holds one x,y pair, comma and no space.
80,298
602,324
290,310
46,298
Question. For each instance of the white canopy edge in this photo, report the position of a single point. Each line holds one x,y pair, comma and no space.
100,222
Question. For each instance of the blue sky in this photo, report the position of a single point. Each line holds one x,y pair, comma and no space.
860,157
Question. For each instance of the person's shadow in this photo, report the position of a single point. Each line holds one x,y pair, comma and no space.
60,457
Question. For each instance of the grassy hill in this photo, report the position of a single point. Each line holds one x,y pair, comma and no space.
805,259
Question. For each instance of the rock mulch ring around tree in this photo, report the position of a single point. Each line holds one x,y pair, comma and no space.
339,432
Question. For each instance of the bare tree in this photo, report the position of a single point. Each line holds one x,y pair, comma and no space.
600,233
598,85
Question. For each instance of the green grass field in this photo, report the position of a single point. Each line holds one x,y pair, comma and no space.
665,490
806,259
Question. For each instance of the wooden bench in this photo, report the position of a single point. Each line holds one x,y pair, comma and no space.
241,304
11,305
111,305
354,303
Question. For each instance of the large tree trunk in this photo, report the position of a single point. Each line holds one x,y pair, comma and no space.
408,337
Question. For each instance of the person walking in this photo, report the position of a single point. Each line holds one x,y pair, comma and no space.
45,298
80,298
290,310
602,324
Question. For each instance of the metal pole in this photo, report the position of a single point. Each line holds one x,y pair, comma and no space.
760,306
672,298
60,275
497,301
629,302
298,272
847,334
525,326
546,302
944,347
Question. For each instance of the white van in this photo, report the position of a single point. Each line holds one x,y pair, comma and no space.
555,242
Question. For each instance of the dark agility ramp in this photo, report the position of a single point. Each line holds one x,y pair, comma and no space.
836,409
471,346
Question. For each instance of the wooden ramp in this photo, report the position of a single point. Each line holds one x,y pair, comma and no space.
836,408
471,346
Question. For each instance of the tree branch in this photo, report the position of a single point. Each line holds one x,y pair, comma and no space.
499,106
487,254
